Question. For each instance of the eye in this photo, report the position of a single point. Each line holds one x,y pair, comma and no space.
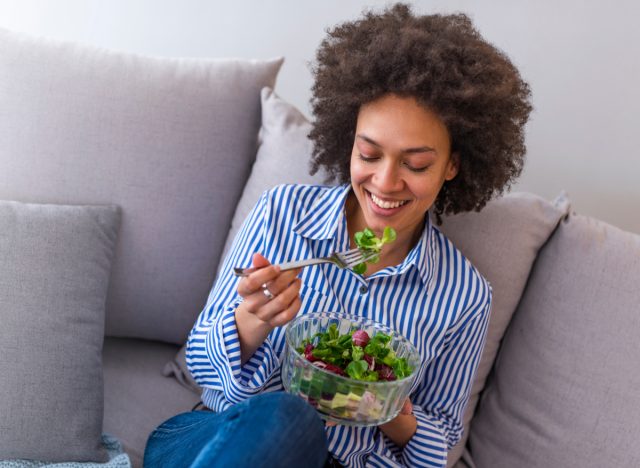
367,158
416,169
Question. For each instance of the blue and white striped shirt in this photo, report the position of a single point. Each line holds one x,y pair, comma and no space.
435,298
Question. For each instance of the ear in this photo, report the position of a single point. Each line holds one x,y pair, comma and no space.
453,165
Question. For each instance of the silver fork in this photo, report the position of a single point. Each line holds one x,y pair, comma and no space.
347,259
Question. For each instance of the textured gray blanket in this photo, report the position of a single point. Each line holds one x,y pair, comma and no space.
117,459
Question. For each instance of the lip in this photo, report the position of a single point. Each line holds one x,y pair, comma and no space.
383,211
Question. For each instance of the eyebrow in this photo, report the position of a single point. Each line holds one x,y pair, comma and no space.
420,149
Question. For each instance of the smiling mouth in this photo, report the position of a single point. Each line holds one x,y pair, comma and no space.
385,204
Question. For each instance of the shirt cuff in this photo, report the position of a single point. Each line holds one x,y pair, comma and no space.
428,446
223,348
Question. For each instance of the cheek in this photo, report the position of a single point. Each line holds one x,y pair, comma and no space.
424,188
358,173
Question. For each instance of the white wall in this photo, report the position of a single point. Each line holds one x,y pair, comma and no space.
582,59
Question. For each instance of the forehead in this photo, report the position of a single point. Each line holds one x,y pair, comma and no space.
401,121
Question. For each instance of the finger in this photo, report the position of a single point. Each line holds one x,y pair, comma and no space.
287,315
259,261
407,407
256,301
282,281
281,303
330,424
253,283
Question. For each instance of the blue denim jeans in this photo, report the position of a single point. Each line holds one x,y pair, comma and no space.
270,429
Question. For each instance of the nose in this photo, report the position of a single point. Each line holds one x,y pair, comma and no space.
387,177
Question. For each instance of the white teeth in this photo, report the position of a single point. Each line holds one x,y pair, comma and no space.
385,204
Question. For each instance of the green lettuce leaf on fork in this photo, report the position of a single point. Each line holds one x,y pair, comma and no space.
368,243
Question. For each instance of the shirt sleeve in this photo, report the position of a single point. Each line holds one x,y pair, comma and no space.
213,346
442,396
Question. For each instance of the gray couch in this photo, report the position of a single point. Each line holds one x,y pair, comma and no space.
185,147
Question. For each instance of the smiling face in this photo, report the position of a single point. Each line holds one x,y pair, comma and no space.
401,157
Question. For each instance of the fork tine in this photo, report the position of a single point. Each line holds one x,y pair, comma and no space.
354,262
350,254
369,256
355,259
360,259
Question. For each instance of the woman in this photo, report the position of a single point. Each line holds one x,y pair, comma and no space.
412,113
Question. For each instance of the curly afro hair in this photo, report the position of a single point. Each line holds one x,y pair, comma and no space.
443,63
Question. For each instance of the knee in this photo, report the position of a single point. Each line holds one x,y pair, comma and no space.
280,429
294,426
284,410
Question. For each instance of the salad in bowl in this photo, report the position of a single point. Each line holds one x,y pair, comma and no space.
353,370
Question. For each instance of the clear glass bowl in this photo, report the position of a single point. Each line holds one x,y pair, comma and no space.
342,399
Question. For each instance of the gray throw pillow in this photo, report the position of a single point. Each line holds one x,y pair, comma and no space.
284,156
55,263
169,140
565,388
502,241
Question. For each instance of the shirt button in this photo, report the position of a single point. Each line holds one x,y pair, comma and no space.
364,290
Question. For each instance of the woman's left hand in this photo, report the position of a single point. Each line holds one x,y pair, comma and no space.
401,428
407,407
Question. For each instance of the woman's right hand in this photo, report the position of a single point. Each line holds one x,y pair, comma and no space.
270,295
271,299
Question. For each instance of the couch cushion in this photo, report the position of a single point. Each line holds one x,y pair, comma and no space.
169,140
284,156
55,263
564,391
502,241
137,397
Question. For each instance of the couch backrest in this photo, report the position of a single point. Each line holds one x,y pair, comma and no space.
565,390
171,141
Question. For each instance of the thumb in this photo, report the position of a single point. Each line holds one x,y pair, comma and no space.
407,407
259,261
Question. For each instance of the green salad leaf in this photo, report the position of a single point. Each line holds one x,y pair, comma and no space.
368,243
355,355
401,368
359,370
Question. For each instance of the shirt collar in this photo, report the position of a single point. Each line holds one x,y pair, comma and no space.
323,216
421,256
